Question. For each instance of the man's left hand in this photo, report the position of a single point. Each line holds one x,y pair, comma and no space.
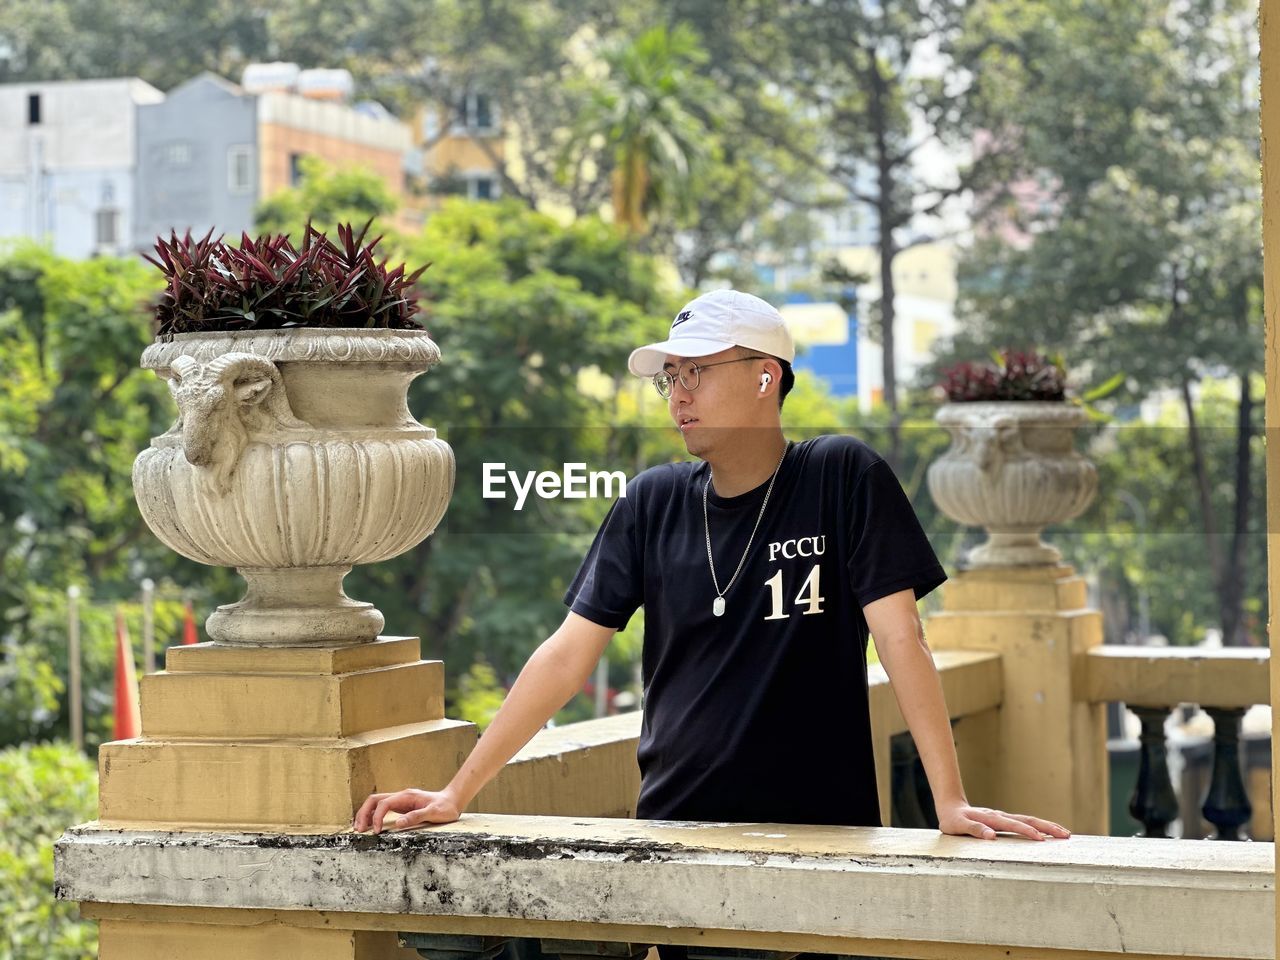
962,820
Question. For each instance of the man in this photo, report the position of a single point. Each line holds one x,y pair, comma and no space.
761,570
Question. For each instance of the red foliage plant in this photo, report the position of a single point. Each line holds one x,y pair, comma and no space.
1020,375
267,283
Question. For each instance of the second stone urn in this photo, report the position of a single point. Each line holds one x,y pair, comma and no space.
1012,469
294,456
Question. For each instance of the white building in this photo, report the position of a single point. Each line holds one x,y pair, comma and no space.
68,157
213,150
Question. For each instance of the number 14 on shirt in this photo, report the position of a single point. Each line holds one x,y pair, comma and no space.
809,595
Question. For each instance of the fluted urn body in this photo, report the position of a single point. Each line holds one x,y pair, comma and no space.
1012,468
294,456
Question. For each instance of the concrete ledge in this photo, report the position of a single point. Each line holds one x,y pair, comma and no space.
1167,676
972,682
585,769
1084,896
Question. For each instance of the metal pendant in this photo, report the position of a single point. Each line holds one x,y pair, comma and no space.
717,607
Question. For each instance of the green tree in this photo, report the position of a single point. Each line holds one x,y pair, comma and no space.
520,56
43,789
326,197
77,413
852,92
164,45
74,414
478,695
1143,525
34,698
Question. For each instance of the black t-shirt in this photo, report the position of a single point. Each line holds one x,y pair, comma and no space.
760,714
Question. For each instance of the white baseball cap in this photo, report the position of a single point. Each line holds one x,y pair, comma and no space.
717,321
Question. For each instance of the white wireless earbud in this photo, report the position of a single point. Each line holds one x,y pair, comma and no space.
765,380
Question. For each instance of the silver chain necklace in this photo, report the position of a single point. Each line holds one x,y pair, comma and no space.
717,606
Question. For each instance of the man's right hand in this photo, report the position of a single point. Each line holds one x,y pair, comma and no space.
414,807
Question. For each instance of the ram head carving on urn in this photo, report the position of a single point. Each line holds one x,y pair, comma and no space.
224,403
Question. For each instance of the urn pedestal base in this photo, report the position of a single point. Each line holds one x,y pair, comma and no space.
1013,548
291,605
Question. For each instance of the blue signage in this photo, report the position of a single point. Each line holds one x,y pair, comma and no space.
834,362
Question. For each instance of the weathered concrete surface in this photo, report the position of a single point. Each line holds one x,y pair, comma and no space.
1086,895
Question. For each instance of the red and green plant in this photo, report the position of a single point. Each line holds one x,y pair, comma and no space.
1015,375
267,283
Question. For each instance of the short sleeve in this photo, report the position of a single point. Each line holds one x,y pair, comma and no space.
609,586
888,548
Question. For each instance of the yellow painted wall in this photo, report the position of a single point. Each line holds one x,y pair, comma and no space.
462,152
927,271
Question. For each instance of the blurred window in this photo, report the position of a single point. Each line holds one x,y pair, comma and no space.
240,168
430,124
177,153
107,227
474,114
480,117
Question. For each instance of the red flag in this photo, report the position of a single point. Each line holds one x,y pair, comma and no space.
189,633
128,718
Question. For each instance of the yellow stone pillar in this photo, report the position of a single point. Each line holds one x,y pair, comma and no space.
287,740
1049,755
1270,28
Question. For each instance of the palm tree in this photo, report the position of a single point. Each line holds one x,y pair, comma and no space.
656,116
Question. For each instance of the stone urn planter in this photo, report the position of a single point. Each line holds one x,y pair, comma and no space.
294,456
1012,469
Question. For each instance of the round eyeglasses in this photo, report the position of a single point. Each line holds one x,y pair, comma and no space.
689,373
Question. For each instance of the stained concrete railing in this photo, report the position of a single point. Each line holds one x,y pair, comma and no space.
850,890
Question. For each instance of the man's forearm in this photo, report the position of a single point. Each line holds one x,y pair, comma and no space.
546,684
918,689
